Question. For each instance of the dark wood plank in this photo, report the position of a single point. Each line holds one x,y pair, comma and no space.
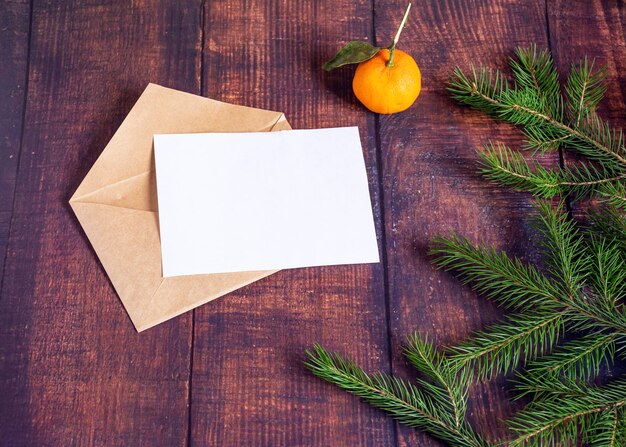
14,27
249,385
431,185
594,29
73,371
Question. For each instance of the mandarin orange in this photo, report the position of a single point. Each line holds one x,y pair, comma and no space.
387,89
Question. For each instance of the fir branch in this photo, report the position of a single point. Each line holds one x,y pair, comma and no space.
610,222
561,409
494,274
403,401
507,167
448,384
519,286
590,313
526,107
501,347
562,242
595,139
533,69
557,420
510,168
547,386
604,429
549,122
614,194
578,358
543,139
585,89
481,90
607,275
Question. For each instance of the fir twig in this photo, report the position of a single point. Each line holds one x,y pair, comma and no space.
403,401
585,89
578,358
556,420
501,347
508,167
520,286
549,121
446,383
494,274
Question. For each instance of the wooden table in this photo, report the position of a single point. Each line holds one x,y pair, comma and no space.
74,372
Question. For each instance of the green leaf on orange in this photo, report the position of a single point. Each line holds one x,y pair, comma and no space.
352,53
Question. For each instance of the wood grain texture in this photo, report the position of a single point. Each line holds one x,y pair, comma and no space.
250,386
14,32
73,371
431,185
595,29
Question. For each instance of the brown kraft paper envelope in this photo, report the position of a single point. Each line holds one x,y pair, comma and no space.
116,203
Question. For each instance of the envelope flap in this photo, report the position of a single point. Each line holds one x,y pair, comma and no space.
164,110
138,193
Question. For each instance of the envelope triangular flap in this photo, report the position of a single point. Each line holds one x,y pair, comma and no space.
116,203
163,110
137,193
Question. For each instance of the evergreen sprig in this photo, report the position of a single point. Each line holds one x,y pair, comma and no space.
550,120
568,320
568,408
438,405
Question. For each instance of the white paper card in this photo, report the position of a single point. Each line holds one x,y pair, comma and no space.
233,202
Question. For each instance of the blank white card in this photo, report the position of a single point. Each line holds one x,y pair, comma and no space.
233,202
